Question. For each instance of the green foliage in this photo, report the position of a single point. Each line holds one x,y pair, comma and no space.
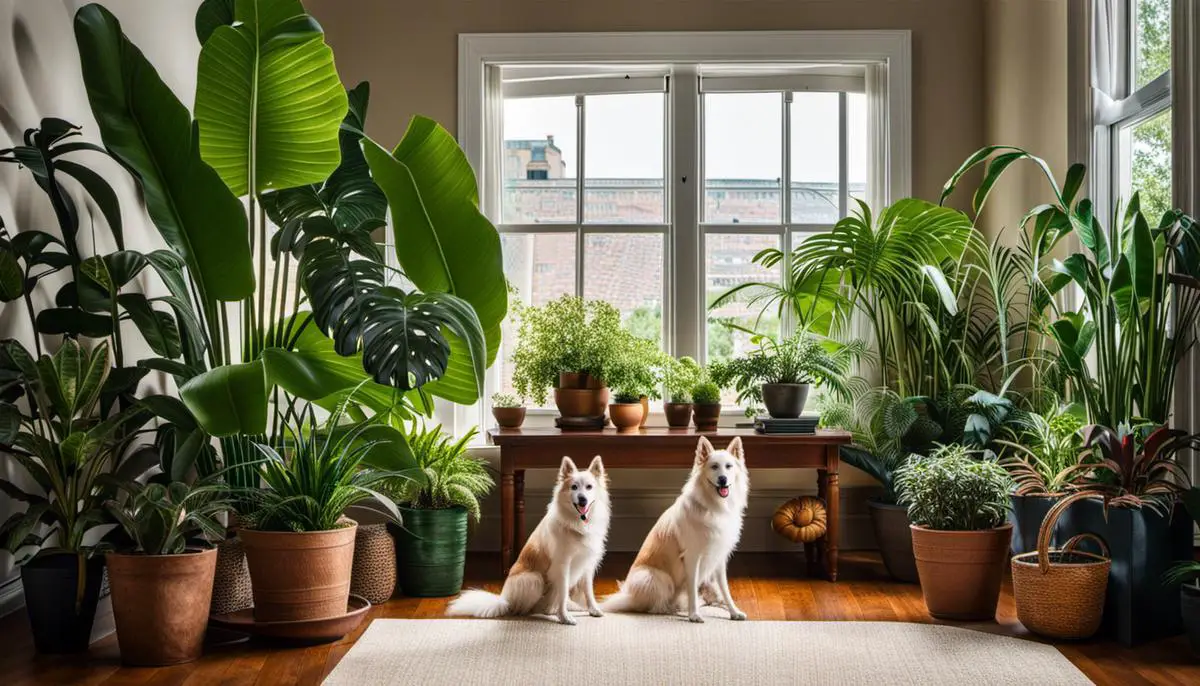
506,400
706,393
1133,466
639,370
163,519
1042,449
952,491
800,358
680,376
452,477
1182,572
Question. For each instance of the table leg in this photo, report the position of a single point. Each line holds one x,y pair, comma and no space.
507,525
519,487
832,528
823,494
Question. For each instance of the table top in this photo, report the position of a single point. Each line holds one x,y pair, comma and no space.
659,436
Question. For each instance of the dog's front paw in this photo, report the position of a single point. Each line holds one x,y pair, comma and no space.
696,618
595,612
566,619
737,615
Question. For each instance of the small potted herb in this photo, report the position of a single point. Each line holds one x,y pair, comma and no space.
958,506
706,405
679,377
780,373
636,376
626,411
508,410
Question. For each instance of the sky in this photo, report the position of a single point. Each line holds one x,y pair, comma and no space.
744,132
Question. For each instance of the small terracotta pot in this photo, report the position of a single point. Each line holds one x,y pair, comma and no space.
579,380
678,414
300,576
160,604
961,571
575,402
706,416
627,417
509,417
645,410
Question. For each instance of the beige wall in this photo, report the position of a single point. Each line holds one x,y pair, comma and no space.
408,49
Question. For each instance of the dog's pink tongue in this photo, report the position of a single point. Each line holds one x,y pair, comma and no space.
724,491
583,510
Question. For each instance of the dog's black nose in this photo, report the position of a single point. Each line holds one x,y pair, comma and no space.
722,480
581,500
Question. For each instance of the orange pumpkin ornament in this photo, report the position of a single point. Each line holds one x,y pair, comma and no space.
800,520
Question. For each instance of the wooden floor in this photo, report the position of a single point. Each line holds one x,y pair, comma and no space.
767,587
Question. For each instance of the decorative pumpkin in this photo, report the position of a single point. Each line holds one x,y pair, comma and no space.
800,520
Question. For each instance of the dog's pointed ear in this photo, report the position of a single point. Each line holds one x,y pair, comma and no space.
735,448
596,467
567,469
704,450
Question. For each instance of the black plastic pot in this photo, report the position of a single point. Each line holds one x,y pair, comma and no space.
894,538
1189,605
1143,543
431,551
51,583
1025,513
785,400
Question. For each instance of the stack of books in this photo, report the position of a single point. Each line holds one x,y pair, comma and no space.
799,425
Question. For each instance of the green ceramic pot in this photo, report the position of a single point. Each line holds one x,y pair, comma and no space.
431,550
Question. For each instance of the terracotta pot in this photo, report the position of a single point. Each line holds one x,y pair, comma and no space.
706,416
509,417
961,571
645,410
160,604
894,538
575,402
300,576
678,414
627,417
579,380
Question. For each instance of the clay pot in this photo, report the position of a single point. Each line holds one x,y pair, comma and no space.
706,416
300,576
961,571
509,417
645,410
160,604
627,417
581,402
679,415
579,380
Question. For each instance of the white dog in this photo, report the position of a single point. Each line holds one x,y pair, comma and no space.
690,545
561,556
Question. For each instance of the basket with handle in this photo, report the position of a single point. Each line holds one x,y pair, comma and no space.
1060,593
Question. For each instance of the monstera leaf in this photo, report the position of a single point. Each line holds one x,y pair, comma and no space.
402,341
268,99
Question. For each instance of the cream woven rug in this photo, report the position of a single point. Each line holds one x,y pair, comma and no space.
635,649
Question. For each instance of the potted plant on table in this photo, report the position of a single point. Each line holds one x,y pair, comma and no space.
626,411
706,405
958,506
431,546
508,410
1186,575
680,376
780,373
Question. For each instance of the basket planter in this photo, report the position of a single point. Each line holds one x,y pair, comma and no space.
1060,593
1026,513
785,400
374,573
300,576
894,538
231,590
509,417
679,415
1189,602
50,583
161,604
627,417
1143,545
960,571
431,550
706,416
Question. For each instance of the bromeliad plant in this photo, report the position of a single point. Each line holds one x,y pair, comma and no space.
1133,466
451,476
950,490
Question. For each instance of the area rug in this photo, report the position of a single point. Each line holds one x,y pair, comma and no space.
636,649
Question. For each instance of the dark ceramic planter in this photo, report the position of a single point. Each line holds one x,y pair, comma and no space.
50,583
706,416
894,538
1189,604
785,400
1025,513
1143,544
678,414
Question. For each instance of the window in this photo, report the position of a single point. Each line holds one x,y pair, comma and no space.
650,171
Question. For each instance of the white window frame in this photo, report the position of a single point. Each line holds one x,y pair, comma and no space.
684,315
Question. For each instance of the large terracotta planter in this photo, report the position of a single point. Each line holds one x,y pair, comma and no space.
581,402
961,571
706,416
509,417
679,415
894,539
160,604
627,417
300,576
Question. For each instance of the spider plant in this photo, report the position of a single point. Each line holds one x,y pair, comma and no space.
1043,449
452,477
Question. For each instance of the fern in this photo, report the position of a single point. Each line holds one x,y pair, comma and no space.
453,478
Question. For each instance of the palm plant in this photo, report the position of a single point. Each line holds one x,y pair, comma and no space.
802,358
452,477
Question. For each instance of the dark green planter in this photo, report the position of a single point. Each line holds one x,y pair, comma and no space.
431,550
1025,513
51,585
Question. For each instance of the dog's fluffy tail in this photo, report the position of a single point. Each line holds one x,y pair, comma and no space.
645,590
477,603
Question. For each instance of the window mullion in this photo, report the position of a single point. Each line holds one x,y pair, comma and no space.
580,123
843,157
785,320
687,299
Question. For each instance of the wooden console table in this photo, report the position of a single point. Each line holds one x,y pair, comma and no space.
522,449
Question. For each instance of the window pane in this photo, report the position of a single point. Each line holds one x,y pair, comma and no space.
856,147
541,267
743,167
1150,165
728,262
623,158
626,270
815,124
539,160
1151,40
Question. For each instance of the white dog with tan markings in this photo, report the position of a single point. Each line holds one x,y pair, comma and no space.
690,546
557,566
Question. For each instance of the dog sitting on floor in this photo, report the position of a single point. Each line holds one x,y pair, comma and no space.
557,566
687,552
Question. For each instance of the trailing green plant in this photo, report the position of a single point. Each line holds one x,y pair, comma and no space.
506,400
706,393
1133,466
1041,450
168,518
1183,572
679,377
801,358
949,490
452,476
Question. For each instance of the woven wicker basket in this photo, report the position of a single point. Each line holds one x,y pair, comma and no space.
231,582
374,573
1060,593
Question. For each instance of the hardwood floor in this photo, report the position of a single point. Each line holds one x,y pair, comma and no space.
768,587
